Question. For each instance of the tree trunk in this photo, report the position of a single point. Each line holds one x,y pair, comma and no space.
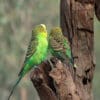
97,9
59,83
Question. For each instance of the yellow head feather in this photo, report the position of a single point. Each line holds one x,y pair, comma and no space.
56,31
40,29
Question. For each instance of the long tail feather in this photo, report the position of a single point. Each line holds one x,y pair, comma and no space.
19,79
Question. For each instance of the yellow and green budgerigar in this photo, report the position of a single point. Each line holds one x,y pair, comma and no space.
36,53
59,45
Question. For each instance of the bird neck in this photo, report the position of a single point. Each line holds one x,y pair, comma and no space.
43,35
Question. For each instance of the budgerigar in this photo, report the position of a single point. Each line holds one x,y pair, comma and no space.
36,53
59,45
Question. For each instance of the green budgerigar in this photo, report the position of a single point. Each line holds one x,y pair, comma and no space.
59,45
36,53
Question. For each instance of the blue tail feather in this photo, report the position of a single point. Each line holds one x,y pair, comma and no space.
19,79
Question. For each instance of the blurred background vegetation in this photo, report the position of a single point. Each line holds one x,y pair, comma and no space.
17,17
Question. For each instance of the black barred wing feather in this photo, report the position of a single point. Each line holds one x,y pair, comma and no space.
61,47
56,45
58,48
30,51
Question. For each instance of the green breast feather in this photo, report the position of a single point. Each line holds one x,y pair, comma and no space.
40,51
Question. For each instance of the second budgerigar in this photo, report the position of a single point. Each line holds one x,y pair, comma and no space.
59,45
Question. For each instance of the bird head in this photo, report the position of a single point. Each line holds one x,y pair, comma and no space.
56,31
40,29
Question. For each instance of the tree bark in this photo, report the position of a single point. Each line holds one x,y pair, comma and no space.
97,9
59,83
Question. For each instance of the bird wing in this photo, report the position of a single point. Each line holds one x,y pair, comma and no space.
61,46
55,44
31,48
30,51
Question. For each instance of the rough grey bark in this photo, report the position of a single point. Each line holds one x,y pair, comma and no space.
59,83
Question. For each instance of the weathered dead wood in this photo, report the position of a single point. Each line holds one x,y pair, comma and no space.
64,83
63,86
76,19
43,83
